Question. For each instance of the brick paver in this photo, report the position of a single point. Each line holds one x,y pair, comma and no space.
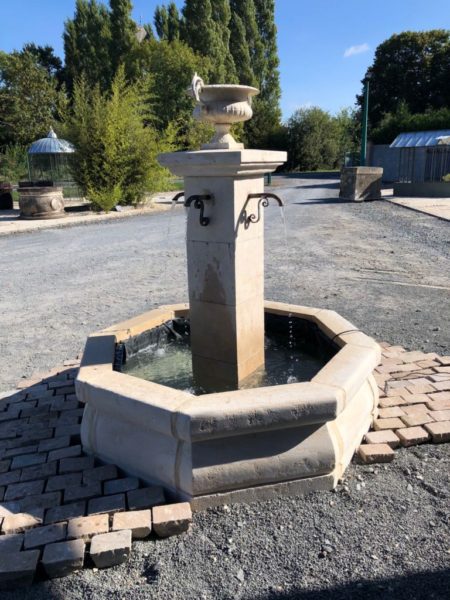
110,549
17,568
49,488
138,521
411,436
63,558
40,536
87,527
439,431
385,436
394,423
370,453
172,519
107,504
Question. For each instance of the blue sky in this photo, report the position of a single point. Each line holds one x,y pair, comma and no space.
325,46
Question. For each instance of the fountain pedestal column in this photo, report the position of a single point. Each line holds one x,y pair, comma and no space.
225,261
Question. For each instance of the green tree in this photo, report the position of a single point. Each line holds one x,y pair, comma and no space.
269,78
267,114
29,99
87,45
46,57
173,22
205,31
116,154
347,130
412,67
221,15
244,12
172,65
312,140
123,44
13,163
403,120
161,22
240,51
167,22
254,48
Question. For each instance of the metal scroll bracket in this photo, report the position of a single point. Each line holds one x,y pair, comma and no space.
264,198
177,197
199,203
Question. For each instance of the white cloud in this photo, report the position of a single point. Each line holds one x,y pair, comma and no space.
356,50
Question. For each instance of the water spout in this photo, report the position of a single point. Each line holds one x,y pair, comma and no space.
264,198
198,200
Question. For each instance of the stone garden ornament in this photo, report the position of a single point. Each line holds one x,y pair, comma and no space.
222,105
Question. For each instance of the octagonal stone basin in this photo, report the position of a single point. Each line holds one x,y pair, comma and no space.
230,446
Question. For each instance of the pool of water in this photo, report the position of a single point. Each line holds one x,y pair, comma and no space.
168,362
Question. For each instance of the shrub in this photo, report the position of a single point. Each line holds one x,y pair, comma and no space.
403,120
13,163
116,145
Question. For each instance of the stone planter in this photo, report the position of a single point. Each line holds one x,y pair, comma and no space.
41,202
361,183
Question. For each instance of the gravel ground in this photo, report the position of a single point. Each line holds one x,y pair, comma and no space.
383,267
384,533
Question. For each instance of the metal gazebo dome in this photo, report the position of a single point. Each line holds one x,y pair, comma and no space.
49,159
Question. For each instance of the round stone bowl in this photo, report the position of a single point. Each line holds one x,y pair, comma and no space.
44,202
225,103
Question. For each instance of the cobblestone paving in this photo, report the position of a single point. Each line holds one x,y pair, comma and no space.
55,501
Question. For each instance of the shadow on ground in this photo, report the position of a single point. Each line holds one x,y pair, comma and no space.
333,201
417,586
309,175
325,201
334,185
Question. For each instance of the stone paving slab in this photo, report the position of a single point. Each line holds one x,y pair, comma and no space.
437,207
49,489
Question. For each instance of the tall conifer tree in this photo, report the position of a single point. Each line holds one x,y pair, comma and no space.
123,37
204,30
173,22
87,40
161,22
240,51
270,82
246,11
221,14
267,114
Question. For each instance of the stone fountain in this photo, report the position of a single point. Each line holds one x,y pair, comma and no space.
237,435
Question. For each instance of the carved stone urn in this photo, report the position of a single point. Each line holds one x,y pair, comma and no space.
222,105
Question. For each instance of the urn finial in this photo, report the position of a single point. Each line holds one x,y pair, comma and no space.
222,105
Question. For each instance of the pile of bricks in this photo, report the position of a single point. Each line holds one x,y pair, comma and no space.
414,405
60,509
